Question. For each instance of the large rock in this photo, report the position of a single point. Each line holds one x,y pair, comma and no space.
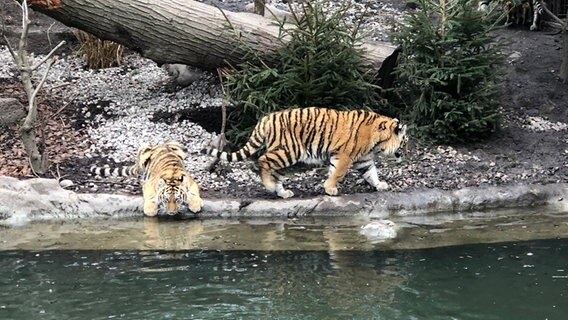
40,199
11,112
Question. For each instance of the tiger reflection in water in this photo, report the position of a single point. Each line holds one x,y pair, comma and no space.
330,256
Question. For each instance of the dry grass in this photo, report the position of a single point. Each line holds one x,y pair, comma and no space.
97,53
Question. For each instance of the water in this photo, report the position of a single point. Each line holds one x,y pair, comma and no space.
513,280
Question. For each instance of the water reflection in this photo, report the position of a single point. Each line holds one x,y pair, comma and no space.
324,234
333,235
171,234
323,270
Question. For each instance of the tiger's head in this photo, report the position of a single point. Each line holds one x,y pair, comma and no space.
394,138
172,195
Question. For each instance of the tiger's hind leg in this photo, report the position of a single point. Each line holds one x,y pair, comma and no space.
337,169
367,168
270,163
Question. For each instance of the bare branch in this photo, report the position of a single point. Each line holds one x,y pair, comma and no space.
223,109
60,109
11,49
64,84
37,156
222,138
23,44
40,84
3,21
32,167
20,4
25,17
57,174
48,32
558,20
48,56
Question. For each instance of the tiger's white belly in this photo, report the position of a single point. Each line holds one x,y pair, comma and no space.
311,159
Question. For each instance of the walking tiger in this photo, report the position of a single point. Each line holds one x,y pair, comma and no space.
315,135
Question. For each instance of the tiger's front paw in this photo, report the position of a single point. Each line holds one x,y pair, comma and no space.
330,188
195,204
381,186
285,194
150,209
150,213
331,191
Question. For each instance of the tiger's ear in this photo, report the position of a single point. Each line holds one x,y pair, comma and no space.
394,125
144,154
400,130
176,148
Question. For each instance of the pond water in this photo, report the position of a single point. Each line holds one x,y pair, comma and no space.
296,269
522,280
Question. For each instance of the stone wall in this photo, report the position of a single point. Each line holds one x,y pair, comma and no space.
41,199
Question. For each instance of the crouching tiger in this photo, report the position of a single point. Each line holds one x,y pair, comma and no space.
163,177
315,135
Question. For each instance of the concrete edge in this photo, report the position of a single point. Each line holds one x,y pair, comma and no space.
42,199
385,204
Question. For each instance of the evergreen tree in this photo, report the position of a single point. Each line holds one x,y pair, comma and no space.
448,71
320,64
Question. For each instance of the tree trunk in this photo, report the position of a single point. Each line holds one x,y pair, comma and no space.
36,154
186,32
38,160
259,7
564,65
563,24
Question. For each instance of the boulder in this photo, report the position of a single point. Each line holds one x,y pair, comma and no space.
22,201
11,112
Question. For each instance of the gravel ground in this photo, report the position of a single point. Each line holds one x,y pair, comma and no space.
115,110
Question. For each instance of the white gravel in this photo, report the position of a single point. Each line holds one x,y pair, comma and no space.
540,124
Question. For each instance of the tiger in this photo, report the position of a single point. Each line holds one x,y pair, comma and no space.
518,11
316,135
163,177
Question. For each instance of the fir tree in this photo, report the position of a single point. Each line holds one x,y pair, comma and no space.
448,71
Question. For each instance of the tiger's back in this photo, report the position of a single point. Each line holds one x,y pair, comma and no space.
313,135
317,135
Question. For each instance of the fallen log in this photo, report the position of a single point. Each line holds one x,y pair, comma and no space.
186,32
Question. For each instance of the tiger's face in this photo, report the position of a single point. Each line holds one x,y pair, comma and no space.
171,193
403,138
397,141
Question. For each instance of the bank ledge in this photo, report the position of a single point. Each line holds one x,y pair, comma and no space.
39,199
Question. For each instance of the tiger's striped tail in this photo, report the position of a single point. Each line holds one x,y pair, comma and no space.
124,171
255,141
